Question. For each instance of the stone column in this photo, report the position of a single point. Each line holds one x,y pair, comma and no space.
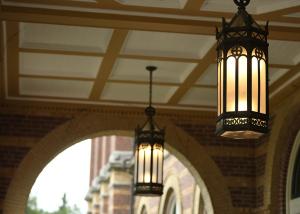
119,191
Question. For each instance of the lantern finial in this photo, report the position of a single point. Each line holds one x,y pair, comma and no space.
241,3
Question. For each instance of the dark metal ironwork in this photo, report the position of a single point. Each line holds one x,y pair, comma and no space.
242,57
149,147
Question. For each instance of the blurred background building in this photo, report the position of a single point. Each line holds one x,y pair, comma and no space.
111,182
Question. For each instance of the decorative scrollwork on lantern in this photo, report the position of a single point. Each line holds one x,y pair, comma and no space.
236,51
259,122
258,53
236,121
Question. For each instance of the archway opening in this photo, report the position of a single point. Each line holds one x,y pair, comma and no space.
183,146
63,182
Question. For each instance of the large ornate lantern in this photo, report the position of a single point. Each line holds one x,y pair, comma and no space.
243,107
149,153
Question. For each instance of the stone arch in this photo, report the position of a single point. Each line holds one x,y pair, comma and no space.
290,171
171,186
183,146
281,141
143,206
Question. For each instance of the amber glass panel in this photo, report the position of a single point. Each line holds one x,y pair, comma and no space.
221,85
254,84
155,164
136,166
242,84
144,163
160,153
230,78
157,156
141,156
147,174
262,87
219,88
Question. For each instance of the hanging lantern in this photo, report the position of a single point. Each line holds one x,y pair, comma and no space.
242,61
149,153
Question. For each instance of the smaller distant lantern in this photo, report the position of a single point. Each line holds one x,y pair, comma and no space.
149,153
242,61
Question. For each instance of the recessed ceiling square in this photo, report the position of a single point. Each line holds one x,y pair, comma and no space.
200,96
85,0
209,77
295,15
64,37
275,74
224,6
136,93
254,7
59,65
132,69
284,52
167,44
155,3
55,88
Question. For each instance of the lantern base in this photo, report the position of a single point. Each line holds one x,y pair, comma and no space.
147,189
242,134
242,125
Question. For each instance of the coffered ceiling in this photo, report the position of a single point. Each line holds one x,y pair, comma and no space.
95,52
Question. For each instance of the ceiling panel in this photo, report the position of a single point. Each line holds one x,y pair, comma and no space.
85,0
136,93
131,69
209,77
284,52
275,74
200,96
296,15
59,65
63,37
167,44
254,7
224,6
155,3
46,72
55,88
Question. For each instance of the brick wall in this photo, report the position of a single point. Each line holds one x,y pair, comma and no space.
4,182
124,143
205,135
241,166
11,156
237,160
18,133
28,125
247,197
119,198
101,149
12,125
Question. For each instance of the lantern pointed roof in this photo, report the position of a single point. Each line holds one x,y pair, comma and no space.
243,19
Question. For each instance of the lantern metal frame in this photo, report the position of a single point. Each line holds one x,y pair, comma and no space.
149,134
242,34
